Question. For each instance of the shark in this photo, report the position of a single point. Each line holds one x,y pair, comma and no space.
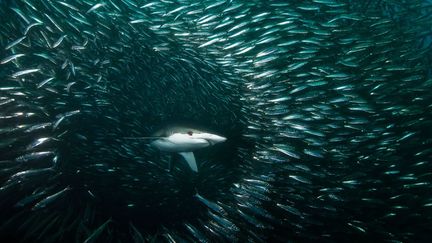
183,140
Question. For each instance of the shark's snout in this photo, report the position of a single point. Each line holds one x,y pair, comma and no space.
213,139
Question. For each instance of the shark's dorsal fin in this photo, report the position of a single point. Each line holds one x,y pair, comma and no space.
190,159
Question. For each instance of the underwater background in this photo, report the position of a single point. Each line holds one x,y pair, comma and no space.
326,105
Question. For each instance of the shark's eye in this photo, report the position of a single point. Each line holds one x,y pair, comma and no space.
190,133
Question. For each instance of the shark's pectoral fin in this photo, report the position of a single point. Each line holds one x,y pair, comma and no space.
190,159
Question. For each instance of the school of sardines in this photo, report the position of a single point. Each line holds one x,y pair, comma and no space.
327,106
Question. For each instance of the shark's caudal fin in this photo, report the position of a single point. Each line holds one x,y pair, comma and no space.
190,159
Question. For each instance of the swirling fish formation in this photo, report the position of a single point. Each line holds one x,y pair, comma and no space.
326,105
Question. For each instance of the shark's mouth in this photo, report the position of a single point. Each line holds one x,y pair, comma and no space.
210,142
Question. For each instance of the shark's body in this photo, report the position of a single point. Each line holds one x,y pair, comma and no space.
184,141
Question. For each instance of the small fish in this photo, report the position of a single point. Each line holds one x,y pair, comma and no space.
15,42
96,6
31,26
10,58
30,199
34,156
213,206
25,72
59,41
50,199
38,142
44,82
68,5
96,233
38,127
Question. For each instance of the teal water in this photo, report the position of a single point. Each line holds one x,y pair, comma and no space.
326,105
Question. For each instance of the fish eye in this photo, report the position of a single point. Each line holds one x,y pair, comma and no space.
190,133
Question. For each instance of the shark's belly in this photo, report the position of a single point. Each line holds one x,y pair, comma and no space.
174,145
